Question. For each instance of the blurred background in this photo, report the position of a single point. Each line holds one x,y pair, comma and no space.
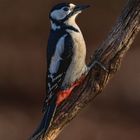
24,29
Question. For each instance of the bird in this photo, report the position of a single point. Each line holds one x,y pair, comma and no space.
66,60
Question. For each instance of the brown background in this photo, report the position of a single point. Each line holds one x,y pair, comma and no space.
24,28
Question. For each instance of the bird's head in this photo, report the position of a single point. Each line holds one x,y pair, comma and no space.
64,12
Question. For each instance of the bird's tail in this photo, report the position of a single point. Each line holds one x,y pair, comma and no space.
46,121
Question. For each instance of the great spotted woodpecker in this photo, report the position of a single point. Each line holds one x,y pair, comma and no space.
66,53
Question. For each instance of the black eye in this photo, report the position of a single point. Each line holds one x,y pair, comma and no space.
66,9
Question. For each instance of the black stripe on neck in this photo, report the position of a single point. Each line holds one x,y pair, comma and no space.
63,26
70,28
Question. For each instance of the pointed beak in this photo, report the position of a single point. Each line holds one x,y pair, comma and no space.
80,7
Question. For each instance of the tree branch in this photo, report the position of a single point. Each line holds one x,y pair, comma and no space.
110,54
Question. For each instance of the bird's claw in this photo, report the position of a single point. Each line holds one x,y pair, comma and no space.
98,63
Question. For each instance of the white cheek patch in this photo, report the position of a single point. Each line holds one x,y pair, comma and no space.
59,14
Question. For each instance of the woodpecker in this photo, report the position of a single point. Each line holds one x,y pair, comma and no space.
66,54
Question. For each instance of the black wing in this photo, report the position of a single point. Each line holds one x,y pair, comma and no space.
54,80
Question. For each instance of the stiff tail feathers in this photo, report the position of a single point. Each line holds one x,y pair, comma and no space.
46,121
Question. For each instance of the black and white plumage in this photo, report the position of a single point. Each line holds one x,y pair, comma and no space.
66,53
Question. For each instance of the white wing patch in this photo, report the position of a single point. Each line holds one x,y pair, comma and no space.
55,61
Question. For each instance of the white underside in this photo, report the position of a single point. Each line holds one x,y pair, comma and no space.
77,66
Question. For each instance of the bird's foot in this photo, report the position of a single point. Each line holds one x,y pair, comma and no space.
96,62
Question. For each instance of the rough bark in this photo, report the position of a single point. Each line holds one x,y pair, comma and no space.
110,53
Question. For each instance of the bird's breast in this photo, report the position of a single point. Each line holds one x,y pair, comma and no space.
77,66
79,46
